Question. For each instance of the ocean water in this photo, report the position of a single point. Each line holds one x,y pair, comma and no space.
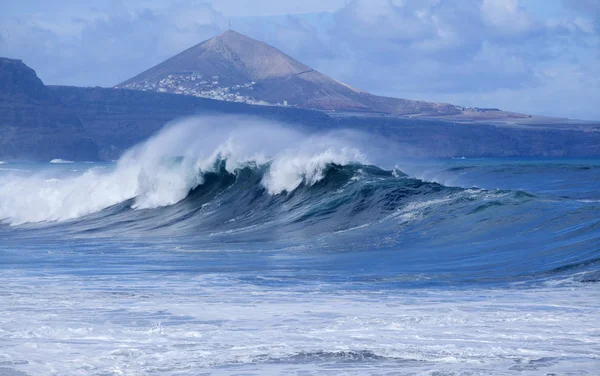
257,250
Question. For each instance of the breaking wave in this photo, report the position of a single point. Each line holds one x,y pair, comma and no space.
164,170
214,183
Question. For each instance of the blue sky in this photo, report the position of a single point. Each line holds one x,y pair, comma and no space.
531,56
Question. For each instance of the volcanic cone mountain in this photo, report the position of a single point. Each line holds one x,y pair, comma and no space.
235,67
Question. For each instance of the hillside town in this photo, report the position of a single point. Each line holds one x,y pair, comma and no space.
195,84
478,109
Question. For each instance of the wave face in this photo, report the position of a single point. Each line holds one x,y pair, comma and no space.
164,170
256,249
267,186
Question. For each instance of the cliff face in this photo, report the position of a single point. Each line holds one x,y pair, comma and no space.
117,118
41,123
18,81
34,124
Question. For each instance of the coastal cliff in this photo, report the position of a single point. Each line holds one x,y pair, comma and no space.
41,123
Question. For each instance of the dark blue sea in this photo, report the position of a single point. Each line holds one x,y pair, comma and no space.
258,250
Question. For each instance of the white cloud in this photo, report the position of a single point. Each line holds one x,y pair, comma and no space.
471,52
506,16
262,8
563,90
102,46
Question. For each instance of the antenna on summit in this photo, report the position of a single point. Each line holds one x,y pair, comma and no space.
230,23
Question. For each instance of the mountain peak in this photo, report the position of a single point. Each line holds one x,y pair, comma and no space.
232,34
235,67
259,60
233,57
228,37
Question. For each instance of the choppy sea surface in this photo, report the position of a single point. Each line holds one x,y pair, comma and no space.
305,259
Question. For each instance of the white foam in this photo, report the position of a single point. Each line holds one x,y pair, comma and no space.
185,324
290,169
163,170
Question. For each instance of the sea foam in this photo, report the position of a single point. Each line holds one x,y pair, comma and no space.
163,170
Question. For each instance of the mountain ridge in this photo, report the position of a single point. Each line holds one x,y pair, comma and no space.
245,69
237,68
41,123
234,67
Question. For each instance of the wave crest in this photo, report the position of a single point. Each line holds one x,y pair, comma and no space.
163,170
288,171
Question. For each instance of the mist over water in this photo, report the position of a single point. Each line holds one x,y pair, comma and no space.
163,170
233,246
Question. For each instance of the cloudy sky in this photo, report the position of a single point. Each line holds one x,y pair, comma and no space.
532,56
